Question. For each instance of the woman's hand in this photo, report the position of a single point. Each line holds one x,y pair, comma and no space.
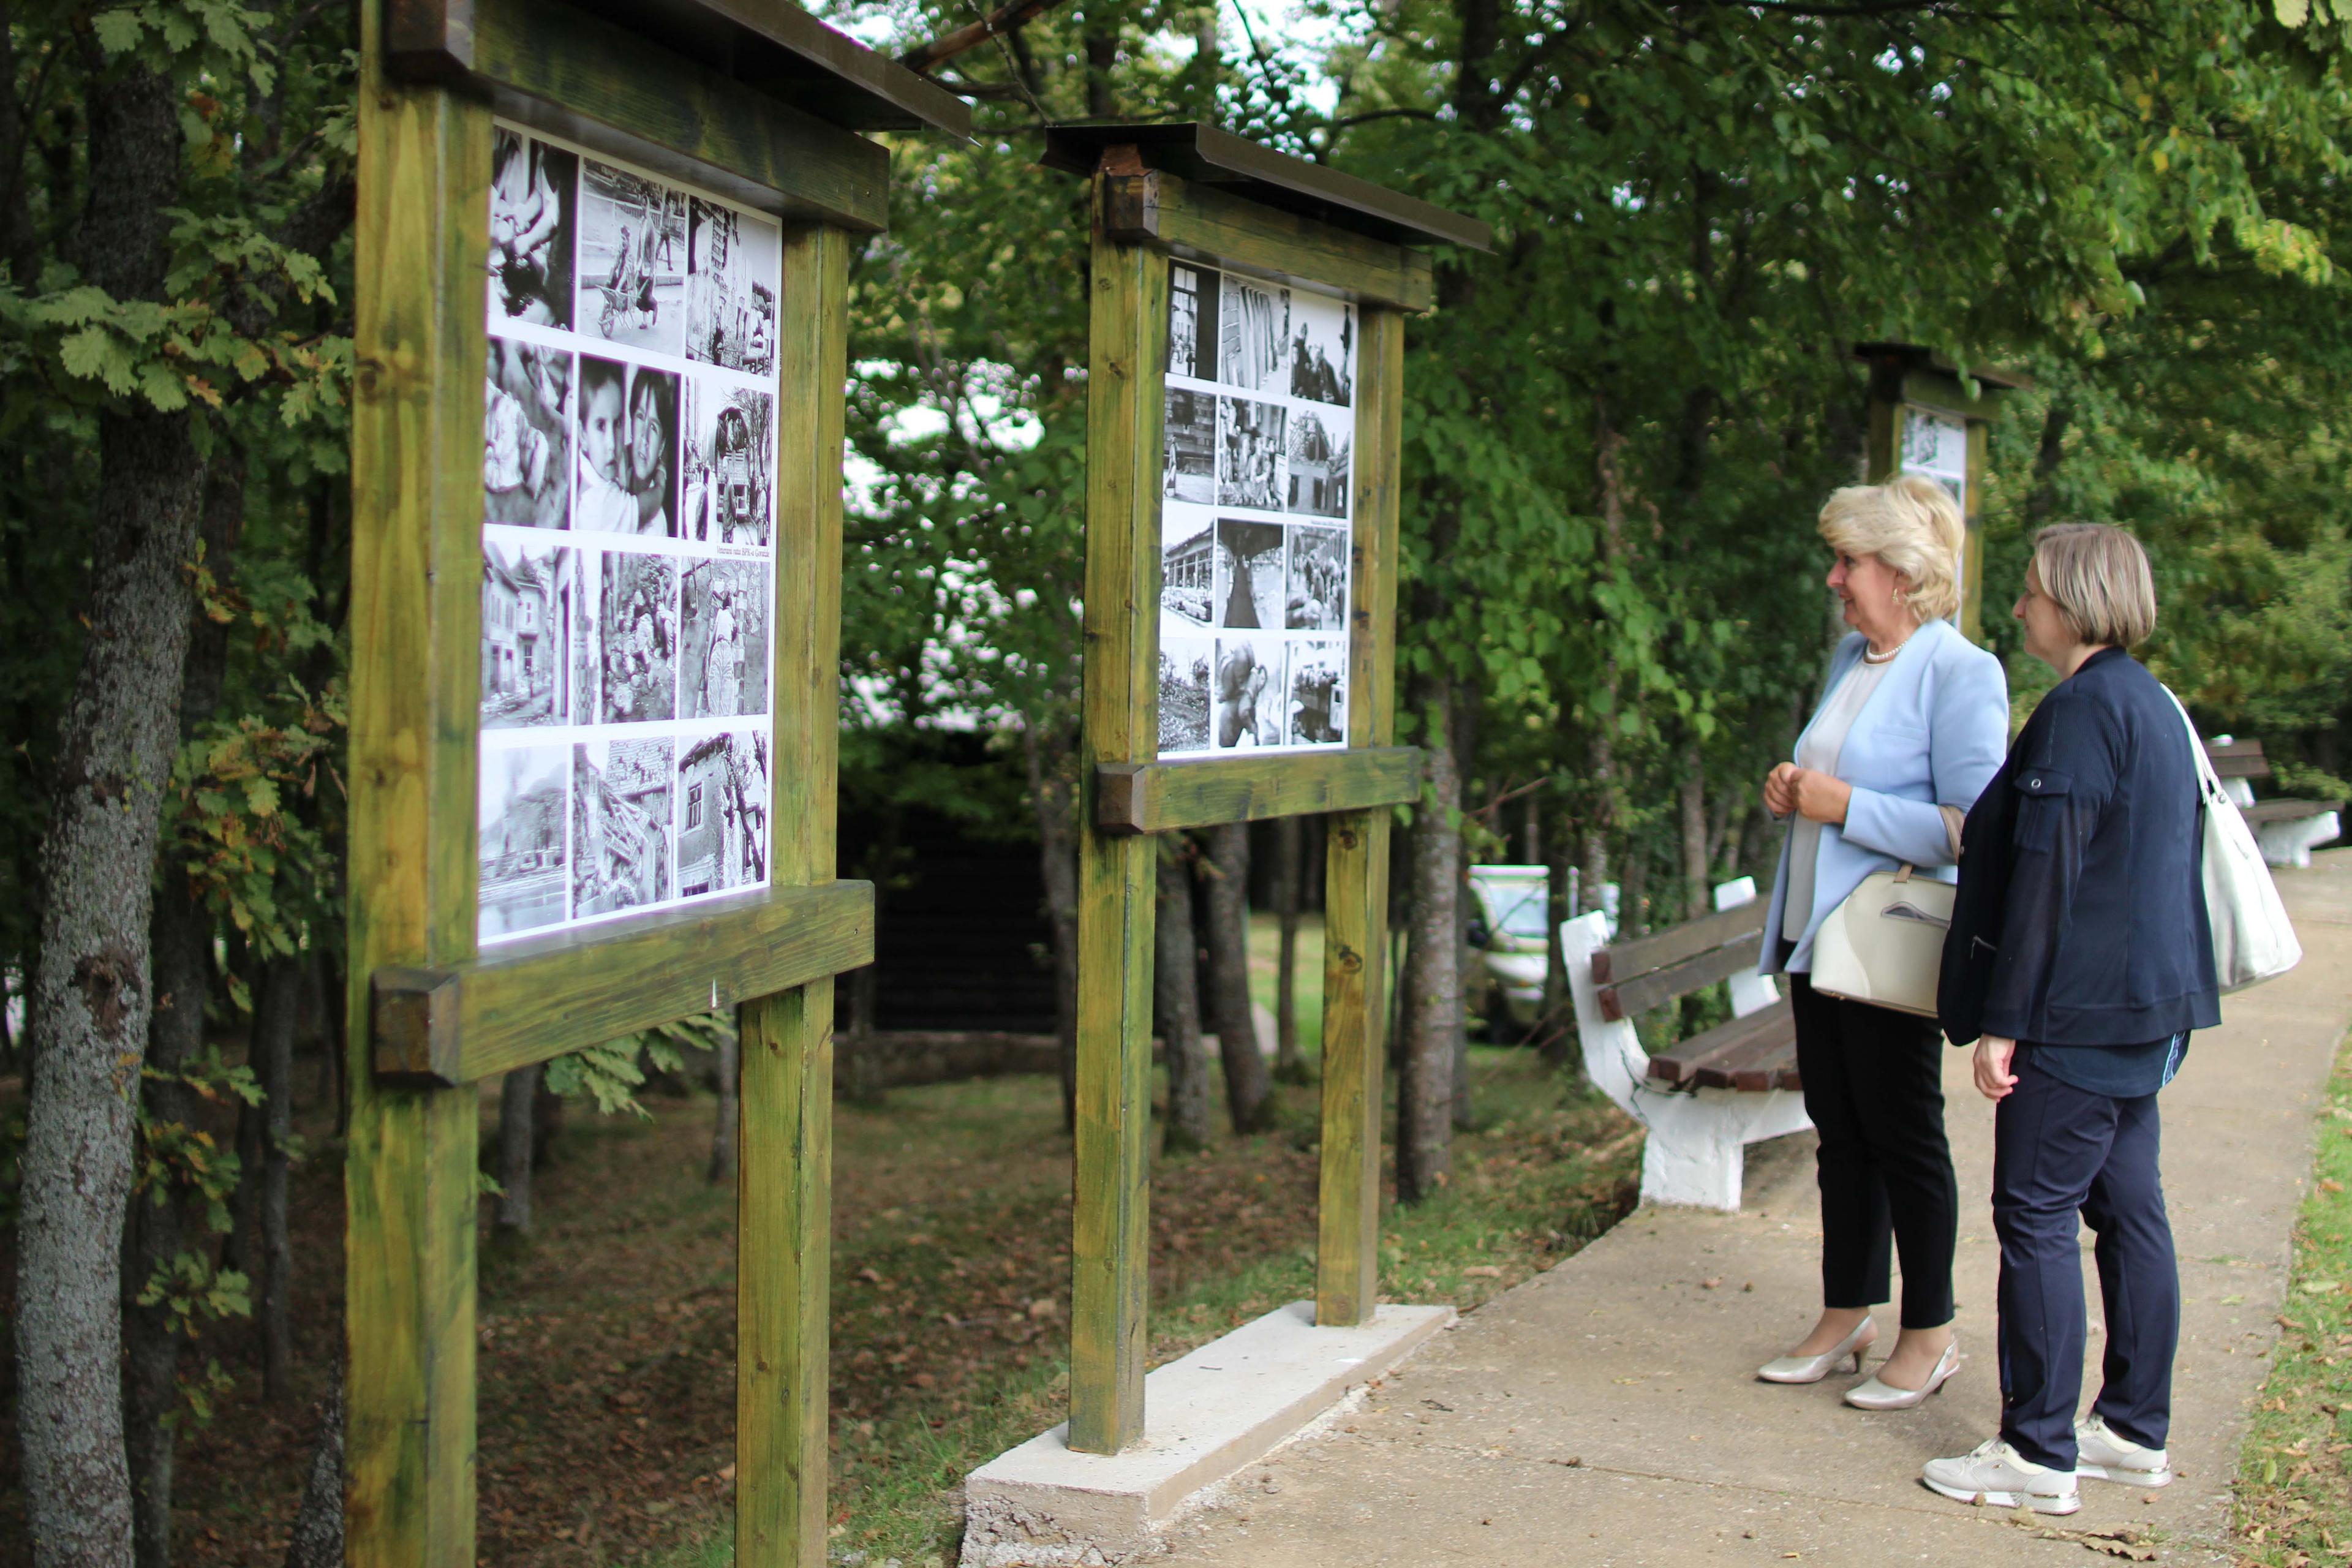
1814,794
1994,1052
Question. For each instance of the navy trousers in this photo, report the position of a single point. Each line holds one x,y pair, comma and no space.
2058,1151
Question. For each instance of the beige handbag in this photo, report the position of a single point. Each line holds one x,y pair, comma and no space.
1884,945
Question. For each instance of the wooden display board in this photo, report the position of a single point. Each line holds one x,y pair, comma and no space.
1923,420
602,250
1244,415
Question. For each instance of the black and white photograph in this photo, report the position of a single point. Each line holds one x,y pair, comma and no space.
1249,573
533,189
522,840
1249,454
726,672
733,263
1185,665
1317,596
1247,706
632,259
1933,444
730,442
627,480
1317,702
1254,335
640,633
1320,448
528,591
1189,446
526,436
1322,348
1193,321
1188,573
722,813
620,824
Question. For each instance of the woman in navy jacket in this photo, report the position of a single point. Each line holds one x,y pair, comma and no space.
2078,959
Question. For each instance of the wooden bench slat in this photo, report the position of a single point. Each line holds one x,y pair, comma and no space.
1763,1062
2239,760
1685,1061
1630,959
1627,997
2287,810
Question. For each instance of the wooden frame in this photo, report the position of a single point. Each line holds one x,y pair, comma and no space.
431,1017
1196,194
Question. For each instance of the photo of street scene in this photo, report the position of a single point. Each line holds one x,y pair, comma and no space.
1188,576
632,259
1247,705
1249,454
1317,705
628,449
733,263
1189,446
726,672
526,436
533,188
528,591
722,814
1249,573
730,458
1193,321
1322,348
1184,666
1254,335
1316,469
522,835
620,824
1316,599
640,638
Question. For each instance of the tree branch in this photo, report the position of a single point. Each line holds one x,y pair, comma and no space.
1004,19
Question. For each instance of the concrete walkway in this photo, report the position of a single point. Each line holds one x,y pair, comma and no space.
1607,1412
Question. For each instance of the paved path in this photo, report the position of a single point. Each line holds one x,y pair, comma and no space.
1606,1412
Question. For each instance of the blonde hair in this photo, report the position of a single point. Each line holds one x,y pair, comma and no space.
1913,525
2098,576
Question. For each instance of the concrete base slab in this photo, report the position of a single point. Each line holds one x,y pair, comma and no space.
1225,1405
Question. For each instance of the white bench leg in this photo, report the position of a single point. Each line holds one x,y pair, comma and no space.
2289,843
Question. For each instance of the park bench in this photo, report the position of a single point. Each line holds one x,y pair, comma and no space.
1705,1099
2288,831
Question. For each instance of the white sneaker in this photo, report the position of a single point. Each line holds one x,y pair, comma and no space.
1998,1476
2108,1455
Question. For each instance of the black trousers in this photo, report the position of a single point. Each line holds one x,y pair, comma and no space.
1875,1088
2060,1151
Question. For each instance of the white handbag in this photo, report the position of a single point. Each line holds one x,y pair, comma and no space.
2252,939
1884,943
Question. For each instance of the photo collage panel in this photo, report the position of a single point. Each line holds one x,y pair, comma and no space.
1257,513
629,472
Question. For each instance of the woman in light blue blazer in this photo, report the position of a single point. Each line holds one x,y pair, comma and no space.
1912,725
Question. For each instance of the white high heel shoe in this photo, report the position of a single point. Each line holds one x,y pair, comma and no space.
1872,1394
1813,1368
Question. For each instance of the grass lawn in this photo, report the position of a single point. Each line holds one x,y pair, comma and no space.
2294,1483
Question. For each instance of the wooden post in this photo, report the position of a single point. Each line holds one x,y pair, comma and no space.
1356,874
1110,1284
417,475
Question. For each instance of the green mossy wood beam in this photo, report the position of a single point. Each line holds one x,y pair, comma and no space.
542,998
1356,867
1157,797
1201,223
1110,1287
416,481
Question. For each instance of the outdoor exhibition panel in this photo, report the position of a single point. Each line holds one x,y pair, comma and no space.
601,346
1243,424
1926,418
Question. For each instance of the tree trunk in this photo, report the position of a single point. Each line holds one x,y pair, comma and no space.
862,1083
330,1063
1633,890
723,1125
1176,998
546,1125
1600,762
517,1098
1431,986
1693,792
1054,797
1561,1041
1289,1061
318,1522
1471,962
1102,54
1225,869
275,1007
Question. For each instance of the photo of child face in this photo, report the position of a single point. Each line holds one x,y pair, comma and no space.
600,429
649,437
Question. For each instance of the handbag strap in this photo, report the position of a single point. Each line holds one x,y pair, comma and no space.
2208,782
1904,875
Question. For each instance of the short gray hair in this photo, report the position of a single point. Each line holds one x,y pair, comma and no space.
2098,576
1913,524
